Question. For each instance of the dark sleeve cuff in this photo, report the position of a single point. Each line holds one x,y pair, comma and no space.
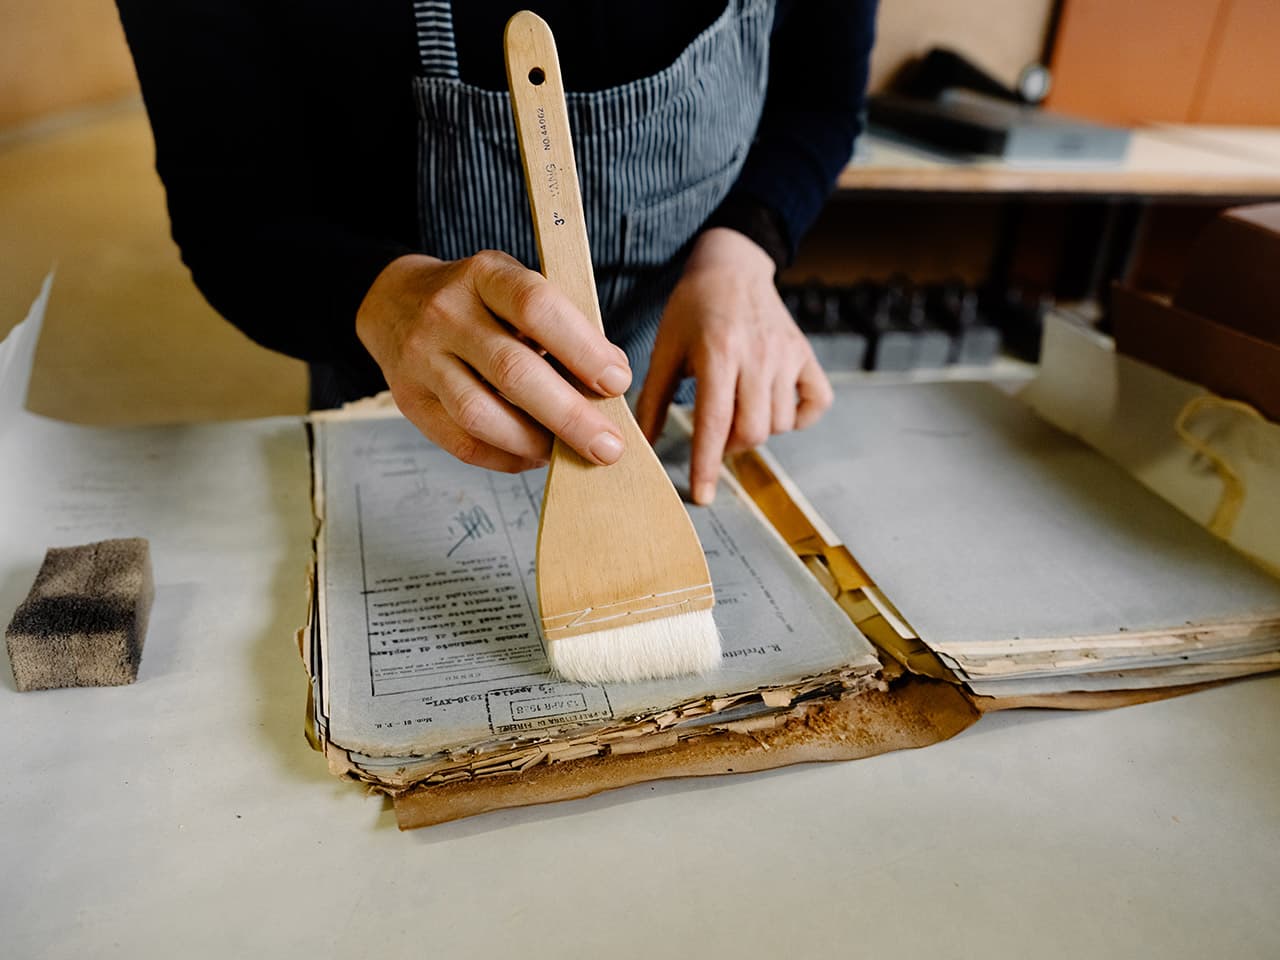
757,221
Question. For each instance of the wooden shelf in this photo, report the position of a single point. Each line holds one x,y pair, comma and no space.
1163,161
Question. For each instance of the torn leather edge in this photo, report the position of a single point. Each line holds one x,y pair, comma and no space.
916,712
663,728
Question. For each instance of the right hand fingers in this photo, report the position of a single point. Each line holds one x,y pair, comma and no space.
535,308
472,405
425,321
429,415
531,384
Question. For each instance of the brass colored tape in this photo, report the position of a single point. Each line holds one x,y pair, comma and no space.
835,567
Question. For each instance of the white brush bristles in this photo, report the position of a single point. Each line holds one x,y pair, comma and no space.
676,646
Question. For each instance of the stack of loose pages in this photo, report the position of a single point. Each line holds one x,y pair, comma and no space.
1024,560
425,656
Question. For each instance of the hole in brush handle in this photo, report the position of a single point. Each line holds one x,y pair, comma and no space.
537,77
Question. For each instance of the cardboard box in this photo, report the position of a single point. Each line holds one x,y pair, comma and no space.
1234,277
1228,361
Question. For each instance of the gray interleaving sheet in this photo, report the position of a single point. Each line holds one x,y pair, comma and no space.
988,528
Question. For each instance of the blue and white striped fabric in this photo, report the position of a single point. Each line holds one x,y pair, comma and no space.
656,157
437,55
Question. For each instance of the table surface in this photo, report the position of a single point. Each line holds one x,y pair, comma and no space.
186,812
1258,144
1163,160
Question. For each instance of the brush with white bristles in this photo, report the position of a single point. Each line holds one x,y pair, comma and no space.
623,585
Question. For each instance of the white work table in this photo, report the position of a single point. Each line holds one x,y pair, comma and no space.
186,816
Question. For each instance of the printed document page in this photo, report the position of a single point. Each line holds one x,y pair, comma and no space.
427,609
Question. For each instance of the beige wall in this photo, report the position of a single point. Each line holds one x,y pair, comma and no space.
56,55
1001,36
1199,61
61,54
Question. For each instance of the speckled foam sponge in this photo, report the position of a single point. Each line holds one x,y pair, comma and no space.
83,623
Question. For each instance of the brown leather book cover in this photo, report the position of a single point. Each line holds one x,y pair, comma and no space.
915,712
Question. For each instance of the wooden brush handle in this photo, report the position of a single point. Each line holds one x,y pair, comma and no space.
550,170
615,545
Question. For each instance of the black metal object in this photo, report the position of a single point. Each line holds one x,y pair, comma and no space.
899,326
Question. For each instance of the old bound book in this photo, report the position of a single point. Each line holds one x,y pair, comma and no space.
927,552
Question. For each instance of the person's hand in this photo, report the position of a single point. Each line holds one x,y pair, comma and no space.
460,343
726,325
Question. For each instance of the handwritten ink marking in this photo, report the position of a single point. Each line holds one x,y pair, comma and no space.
475,524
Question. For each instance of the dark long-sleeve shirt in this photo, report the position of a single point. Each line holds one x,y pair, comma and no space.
286,133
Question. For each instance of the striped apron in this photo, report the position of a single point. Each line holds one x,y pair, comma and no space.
655,158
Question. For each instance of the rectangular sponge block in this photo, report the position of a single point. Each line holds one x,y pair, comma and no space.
84,621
